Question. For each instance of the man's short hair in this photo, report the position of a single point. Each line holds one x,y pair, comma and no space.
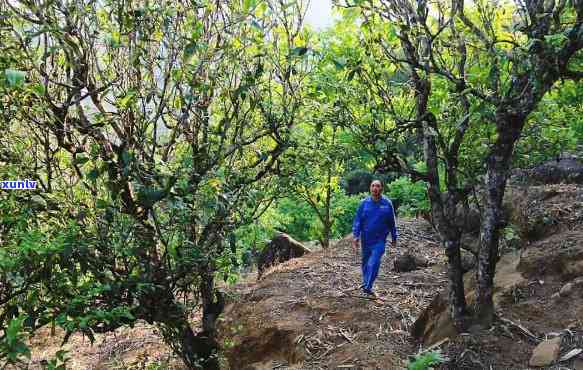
379,181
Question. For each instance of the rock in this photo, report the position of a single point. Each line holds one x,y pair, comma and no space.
566,290
468,219
280,249
409,262
571,287
434,322
556,296
405,263
569,355
566,169
421,261
545,353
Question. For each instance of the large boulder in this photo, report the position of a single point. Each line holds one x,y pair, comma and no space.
468,218
571,287
566,169
537,212
280,249
560,256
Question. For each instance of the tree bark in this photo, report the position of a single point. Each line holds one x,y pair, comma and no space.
197,351
212,304
443,211
456,292
498,165
327,218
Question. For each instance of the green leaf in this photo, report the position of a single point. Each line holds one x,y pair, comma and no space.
113,40
94,174
80,159
189,50
39,89
147,197
126,157
339,62
299,51
14,77
127,99
350,75
101,204
198,30
256,25
39,201
259,70
249,4
556,40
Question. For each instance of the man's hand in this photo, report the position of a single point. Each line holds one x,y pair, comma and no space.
355,245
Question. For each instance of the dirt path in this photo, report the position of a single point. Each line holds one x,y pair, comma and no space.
304,312
308,314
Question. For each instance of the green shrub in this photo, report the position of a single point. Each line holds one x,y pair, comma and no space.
410,197
343,210
426,361
13,349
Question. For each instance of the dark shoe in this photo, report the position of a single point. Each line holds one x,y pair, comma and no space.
370,293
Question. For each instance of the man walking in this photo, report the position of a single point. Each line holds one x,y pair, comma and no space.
374,220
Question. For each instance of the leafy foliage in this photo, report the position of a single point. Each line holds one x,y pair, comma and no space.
153,136
426,361
12,343
411,196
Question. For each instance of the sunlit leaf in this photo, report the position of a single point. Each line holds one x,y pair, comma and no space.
15,77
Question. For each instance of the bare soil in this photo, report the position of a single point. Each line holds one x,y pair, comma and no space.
126,348
550,218
308,313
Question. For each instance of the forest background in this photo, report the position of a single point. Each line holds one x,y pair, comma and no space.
172,140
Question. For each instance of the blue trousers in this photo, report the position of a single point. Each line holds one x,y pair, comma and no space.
371,262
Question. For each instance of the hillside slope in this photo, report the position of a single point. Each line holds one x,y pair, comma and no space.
307,314
304,315
539,287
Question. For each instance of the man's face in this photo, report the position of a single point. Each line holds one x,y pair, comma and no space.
376,188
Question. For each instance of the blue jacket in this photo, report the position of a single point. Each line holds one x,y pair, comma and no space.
374,221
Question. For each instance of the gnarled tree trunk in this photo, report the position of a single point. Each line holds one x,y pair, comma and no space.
443,211
456,292
498,167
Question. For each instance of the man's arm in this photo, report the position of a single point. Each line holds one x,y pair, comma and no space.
393,225
357,223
